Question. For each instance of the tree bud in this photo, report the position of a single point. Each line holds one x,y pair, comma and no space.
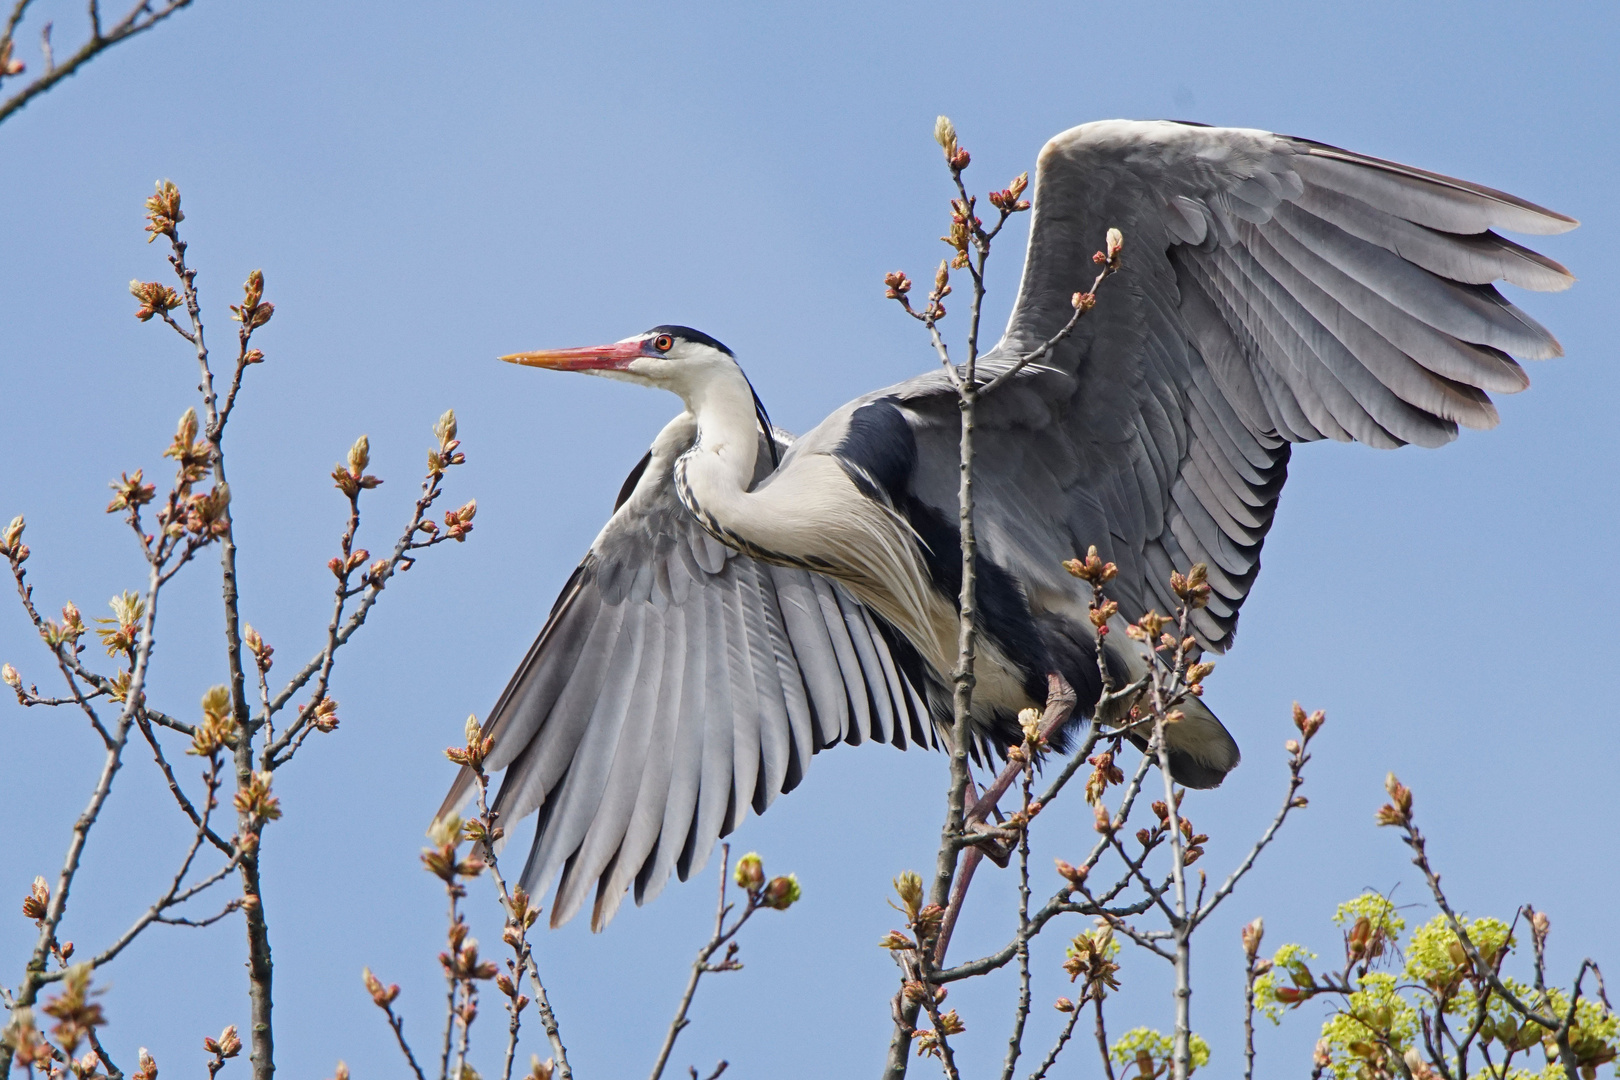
1074,875
1252,933
359,456
750,872
1115,244
782,893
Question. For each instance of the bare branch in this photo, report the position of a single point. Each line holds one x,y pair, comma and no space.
1110,266
519,914
234,905
1015,1042
224,845
1062,1041
1296,763
174,895
1060,702
17,11
140,18
397,1023
1048,911
701,965
57,907
278,752
113,1071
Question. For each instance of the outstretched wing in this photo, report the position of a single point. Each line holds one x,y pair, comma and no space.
1274,291
675,684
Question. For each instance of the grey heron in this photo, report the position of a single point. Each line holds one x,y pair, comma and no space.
755,598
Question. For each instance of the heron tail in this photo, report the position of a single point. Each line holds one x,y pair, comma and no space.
1202,751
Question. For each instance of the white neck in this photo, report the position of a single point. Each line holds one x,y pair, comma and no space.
719,469
811,514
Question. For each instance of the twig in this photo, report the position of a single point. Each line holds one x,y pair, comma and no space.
102,686
397,1023
234,905
1062,1041
279,752
453,987
1251,970
548,1020
113,1071
130,25
1037,922
1015,1042
701,965
179,794
460,1071
174,895
518,926
57,907
1052,342
30,698
1101,1029
17,11
1060,702
514,1021
321,662
1182,1054
1059,903
947,1056
249,828
1134,868
1296,764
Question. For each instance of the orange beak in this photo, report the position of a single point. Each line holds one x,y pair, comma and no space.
615,357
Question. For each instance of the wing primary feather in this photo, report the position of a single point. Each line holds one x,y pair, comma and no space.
619,791
748,706
549,752
1440,202
767,642
1476,313
719,740
1437,350
576,797
1477,259
689,756
663,750
1397,372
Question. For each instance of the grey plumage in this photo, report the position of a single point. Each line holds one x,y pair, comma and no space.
1274,291
675,684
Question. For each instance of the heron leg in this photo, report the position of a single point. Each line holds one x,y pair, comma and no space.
1060,703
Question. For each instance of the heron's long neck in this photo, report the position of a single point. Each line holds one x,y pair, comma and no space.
810,515
715,474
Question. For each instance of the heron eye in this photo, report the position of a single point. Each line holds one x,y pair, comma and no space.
663,343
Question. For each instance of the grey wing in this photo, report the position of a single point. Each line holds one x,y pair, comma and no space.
1273,291
675,684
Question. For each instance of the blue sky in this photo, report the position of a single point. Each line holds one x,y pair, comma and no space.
426,187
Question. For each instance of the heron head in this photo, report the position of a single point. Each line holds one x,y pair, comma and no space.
675,358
